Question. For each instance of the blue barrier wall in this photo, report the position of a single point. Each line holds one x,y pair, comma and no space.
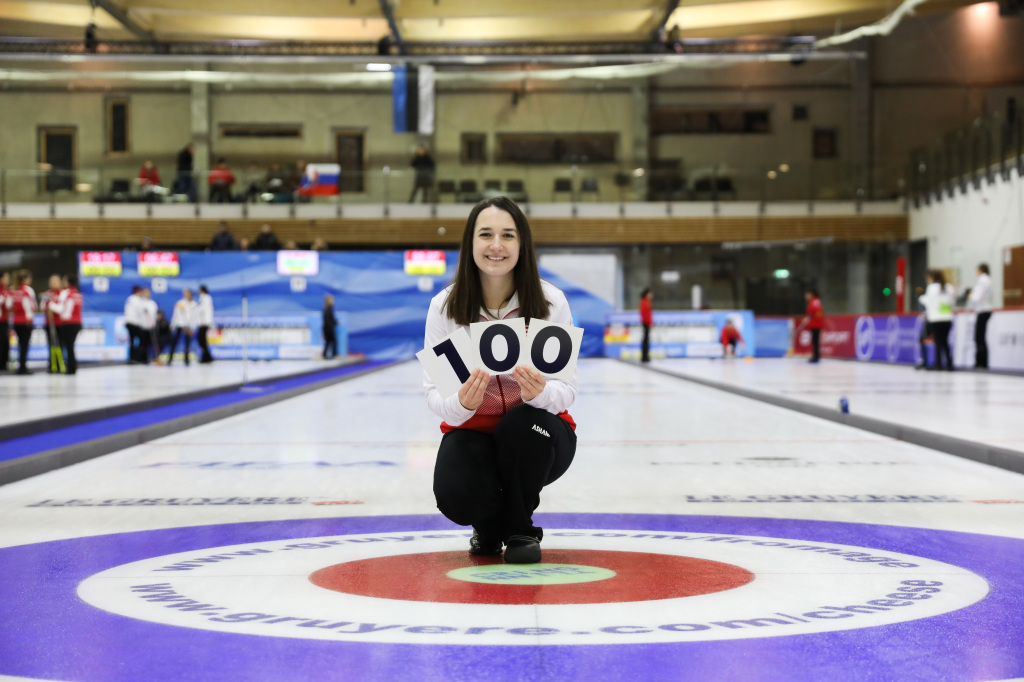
385,307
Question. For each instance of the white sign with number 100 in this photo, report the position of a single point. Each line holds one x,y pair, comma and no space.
498,348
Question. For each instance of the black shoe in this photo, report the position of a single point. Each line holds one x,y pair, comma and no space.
484,546
522,549
22,370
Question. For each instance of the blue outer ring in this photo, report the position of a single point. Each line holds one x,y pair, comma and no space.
47,632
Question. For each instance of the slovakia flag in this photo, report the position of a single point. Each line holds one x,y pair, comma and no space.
320,179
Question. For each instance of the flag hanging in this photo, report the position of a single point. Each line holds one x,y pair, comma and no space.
320,179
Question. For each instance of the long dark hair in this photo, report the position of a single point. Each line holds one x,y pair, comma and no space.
938,276
466,296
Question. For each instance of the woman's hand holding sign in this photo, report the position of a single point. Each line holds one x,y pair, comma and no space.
531,382
471,395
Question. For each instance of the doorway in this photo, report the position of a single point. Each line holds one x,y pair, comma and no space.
57,157
349,149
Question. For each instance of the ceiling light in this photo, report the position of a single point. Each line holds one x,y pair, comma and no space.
378,67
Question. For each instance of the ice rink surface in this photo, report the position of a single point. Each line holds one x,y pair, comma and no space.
698,536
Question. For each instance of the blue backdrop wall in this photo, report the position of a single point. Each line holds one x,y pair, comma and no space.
385,307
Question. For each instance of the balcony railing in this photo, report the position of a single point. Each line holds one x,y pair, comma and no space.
669,182
989,148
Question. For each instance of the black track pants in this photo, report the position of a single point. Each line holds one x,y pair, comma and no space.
493,481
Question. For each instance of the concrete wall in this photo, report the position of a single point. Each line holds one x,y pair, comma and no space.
973,228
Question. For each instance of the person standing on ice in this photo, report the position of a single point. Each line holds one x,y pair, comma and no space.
505,437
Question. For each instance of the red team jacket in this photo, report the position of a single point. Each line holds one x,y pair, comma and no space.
730,335
23,305
815,314
68,308
646,316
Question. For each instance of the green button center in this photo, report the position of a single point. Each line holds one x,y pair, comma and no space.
531,574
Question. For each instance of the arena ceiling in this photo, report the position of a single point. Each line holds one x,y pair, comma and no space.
427,26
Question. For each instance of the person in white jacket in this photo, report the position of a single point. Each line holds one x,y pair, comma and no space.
182,321
505,437
133,318
938,301
204,320
980,301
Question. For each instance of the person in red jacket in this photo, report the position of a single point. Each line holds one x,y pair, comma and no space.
23,309
149,177
814,320
5,319
647,320
730,337
67,312
220,180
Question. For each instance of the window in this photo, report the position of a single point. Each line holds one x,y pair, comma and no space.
564,148
271,130
718,121
117,126
801,112
474,148
824,143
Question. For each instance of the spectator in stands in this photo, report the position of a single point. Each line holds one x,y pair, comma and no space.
318,245
253,183
149,178
185,183
423,165
23,309
266,240
221,180
5,320
182,320
647,320
204,320
276,179
329,323
294,180
223,240
244,244
290,245
146,244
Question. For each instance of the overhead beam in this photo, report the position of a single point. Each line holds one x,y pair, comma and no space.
670,7
396,35
122,16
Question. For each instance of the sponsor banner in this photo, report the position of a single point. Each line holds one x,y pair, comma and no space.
677,334
385,307
884,338
773,336
1004,335
158,264
265,337
99,264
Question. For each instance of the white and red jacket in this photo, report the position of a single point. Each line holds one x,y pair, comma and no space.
45,300
502,391
67,309
23,305
5,303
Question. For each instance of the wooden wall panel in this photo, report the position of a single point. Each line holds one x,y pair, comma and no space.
424,232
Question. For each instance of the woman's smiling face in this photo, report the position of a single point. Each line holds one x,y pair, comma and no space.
495,243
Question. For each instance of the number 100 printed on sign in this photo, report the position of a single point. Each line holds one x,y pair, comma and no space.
498,348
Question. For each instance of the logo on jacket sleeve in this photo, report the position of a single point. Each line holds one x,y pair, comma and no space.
541,431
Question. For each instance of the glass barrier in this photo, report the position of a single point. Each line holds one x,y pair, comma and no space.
824,180
978,153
